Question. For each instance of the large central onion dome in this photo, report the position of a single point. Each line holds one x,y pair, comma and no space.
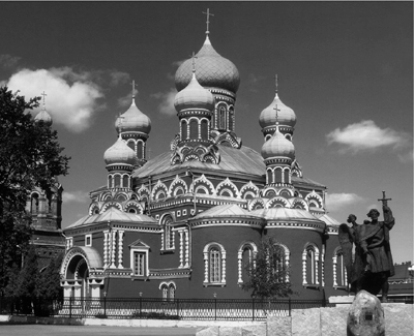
44,117
286,116
213,71
120,153
194,96
278,146
133,120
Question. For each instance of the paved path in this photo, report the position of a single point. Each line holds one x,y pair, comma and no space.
62,330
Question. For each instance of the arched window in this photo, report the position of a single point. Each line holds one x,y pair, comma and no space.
34,208
125,181
285,193
287,177
280,263
110,181
278,175
193,129
231,119
168,235
270,193
140,151
117,181
222,117
183,130
340,277
246,261
131,145
269,176
310,260
215,264
168,291
204,129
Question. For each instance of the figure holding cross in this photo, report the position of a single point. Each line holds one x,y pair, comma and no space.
372,240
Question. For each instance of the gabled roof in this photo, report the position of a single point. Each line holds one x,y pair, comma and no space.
285,214
329,220
228,210
139,243
113,215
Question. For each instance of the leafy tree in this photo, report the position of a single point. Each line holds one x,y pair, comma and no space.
30,156
48,285
267,277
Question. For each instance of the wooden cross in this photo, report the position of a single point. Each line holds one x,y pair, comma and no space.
384,200
44,97
208,21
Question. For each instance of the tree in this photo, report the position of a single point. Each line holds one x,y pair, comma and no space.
30,156
267,275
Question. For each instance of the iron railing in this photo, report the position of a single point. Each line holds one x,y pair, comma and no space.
156,308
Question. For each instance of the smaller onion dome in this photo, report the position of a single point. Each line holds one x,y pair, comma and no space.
286,116
278,146
120,153
133,120
194,96
45,117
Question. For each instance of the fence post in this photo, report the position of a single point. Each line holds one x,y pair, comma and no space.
70,307
290,307
215,309
140,307
178,308
104,305
253,309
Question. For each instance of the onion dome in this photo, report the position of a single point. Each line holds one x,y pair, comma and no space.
194,96
133,120
120,153
44,117
286,116
213,70
278,146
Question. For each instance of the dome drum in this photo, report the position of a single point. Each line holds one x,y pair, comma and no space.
134,135
115,166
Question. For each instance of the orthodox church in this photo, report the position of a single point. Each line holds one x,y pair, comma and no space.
185,223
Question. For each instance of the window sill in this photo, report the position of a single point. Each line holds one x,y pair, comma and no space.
345,288
168,251
139,277
214,284
311,286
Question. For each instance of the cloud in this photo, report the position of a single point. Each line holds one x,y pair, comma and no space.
75,196
336,202
72,97
366,135
166,105
407,157
9,61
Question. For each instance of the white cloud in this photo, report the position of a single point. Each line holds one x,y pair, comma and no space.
166,105
336,202
72,97
366,135
75,196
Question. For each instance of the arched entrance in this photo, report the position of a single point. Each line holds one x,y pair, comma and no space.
78,283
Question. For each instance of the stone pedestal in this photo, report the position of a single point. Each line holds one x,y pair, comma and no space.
366,316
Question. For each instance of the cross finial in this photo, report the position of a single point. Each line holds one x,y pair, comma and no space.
276,85
193,61
208,16
120,123
44,98
134,89
384,200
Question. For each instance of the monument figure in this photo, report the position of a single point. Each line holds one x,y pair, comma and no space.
372,264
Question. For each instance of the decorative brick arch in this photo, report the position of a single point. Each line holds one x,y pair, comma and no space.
94,209
133,205
159,186
178,182
256,204
298,203
203,181
289,192
278,202
313,196
227,184
339,271
314,265
249,189
206,251
240,251
143,192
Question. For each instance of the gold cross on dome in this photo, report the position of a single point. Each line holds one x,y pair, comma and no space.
44,98
134,88
208,15
193,57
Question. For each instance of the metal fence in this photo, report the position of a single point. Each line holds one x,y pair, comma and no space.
156,308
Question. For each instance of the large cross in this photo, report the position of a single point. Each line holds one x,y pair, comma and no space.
120,117
193,57
208,21
384,200
44,97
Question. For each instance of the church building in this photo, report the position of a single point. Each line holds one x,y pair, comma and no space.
185,223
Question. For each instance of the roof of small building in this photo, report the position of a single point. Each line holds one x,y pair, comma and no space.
285,214
329,220
113,215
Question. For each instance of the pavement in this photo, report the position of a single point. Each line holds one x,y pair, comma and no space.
63,330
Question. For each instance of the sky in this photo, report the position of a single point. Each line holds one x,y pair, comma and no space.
345,68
